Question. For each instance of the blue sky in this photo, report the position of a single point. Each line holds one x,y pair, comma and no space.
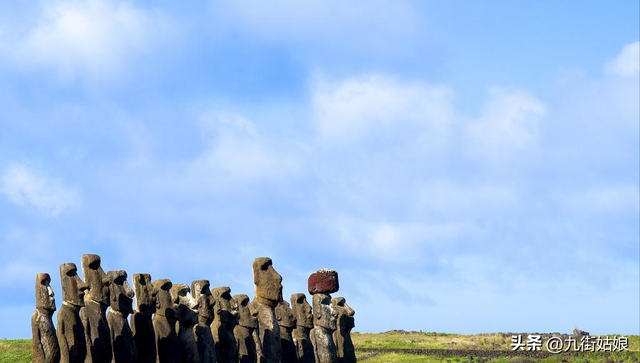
466,166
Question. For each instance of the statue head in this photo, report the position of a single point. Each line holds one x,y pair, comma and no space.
284,315
165,304
186,305
268,282
225,307
145,298
345,312
247,311
72,286
201,292
323,315
120,293
44,293
96,278
302,310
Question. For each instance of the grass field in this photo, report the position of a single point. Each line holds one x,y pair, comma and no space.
395,347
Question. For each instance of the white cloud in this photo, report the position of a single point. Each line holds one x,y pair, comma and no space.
89,37
509,125
380,106
26,189
236,151
627,63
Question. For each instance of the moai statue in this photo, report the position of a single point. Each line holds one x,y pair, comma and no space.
200,289
121,298
321,284
45,342
268,284
73,345
141,319
247,324
324,324
342,336
287,322
304,324
226,315
164,323
94,317
187,319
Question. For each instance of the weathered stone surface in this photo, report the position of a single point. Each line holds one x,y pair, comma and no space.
324,324
304,324
268,293
342,335
121,301
71,337
200,289
268,282
164,323
226,315
141,319
323,281
187,320
94,317
44,340
244,330
287,322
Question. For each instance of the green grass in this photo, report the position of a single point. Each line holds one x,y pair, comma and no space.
368,348
15,351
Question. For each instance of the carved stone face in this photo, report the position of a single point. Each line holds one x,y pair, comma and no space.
247,311
267,280
165,305
302,310
345,312
44,294
72,286
185,303
96,278
323,314
225,306
145,297
200,290
285,316
121,294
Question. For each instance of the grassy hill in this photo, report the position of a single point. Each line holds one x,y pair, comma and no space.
418,347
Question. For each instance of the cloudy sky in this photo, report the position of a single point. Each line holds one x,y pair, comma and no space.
466,166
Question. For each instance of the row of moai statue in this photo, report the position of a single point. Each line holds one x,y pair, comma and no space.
175,323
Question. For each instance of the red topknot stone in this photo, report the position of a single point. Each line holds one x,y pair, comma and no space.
323,281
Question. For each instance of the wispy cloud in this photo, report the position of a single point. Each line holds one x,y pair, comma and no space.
508,127
380,107
89,38
27,189
627,63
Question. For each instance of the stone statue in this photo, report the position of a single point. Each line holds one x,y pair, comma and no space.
45,342
94,317
342,336
141,319
73,345
287,322
200,289
244,330
226,315
121,298
268,284
324,324
187,320
164,323
304,324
